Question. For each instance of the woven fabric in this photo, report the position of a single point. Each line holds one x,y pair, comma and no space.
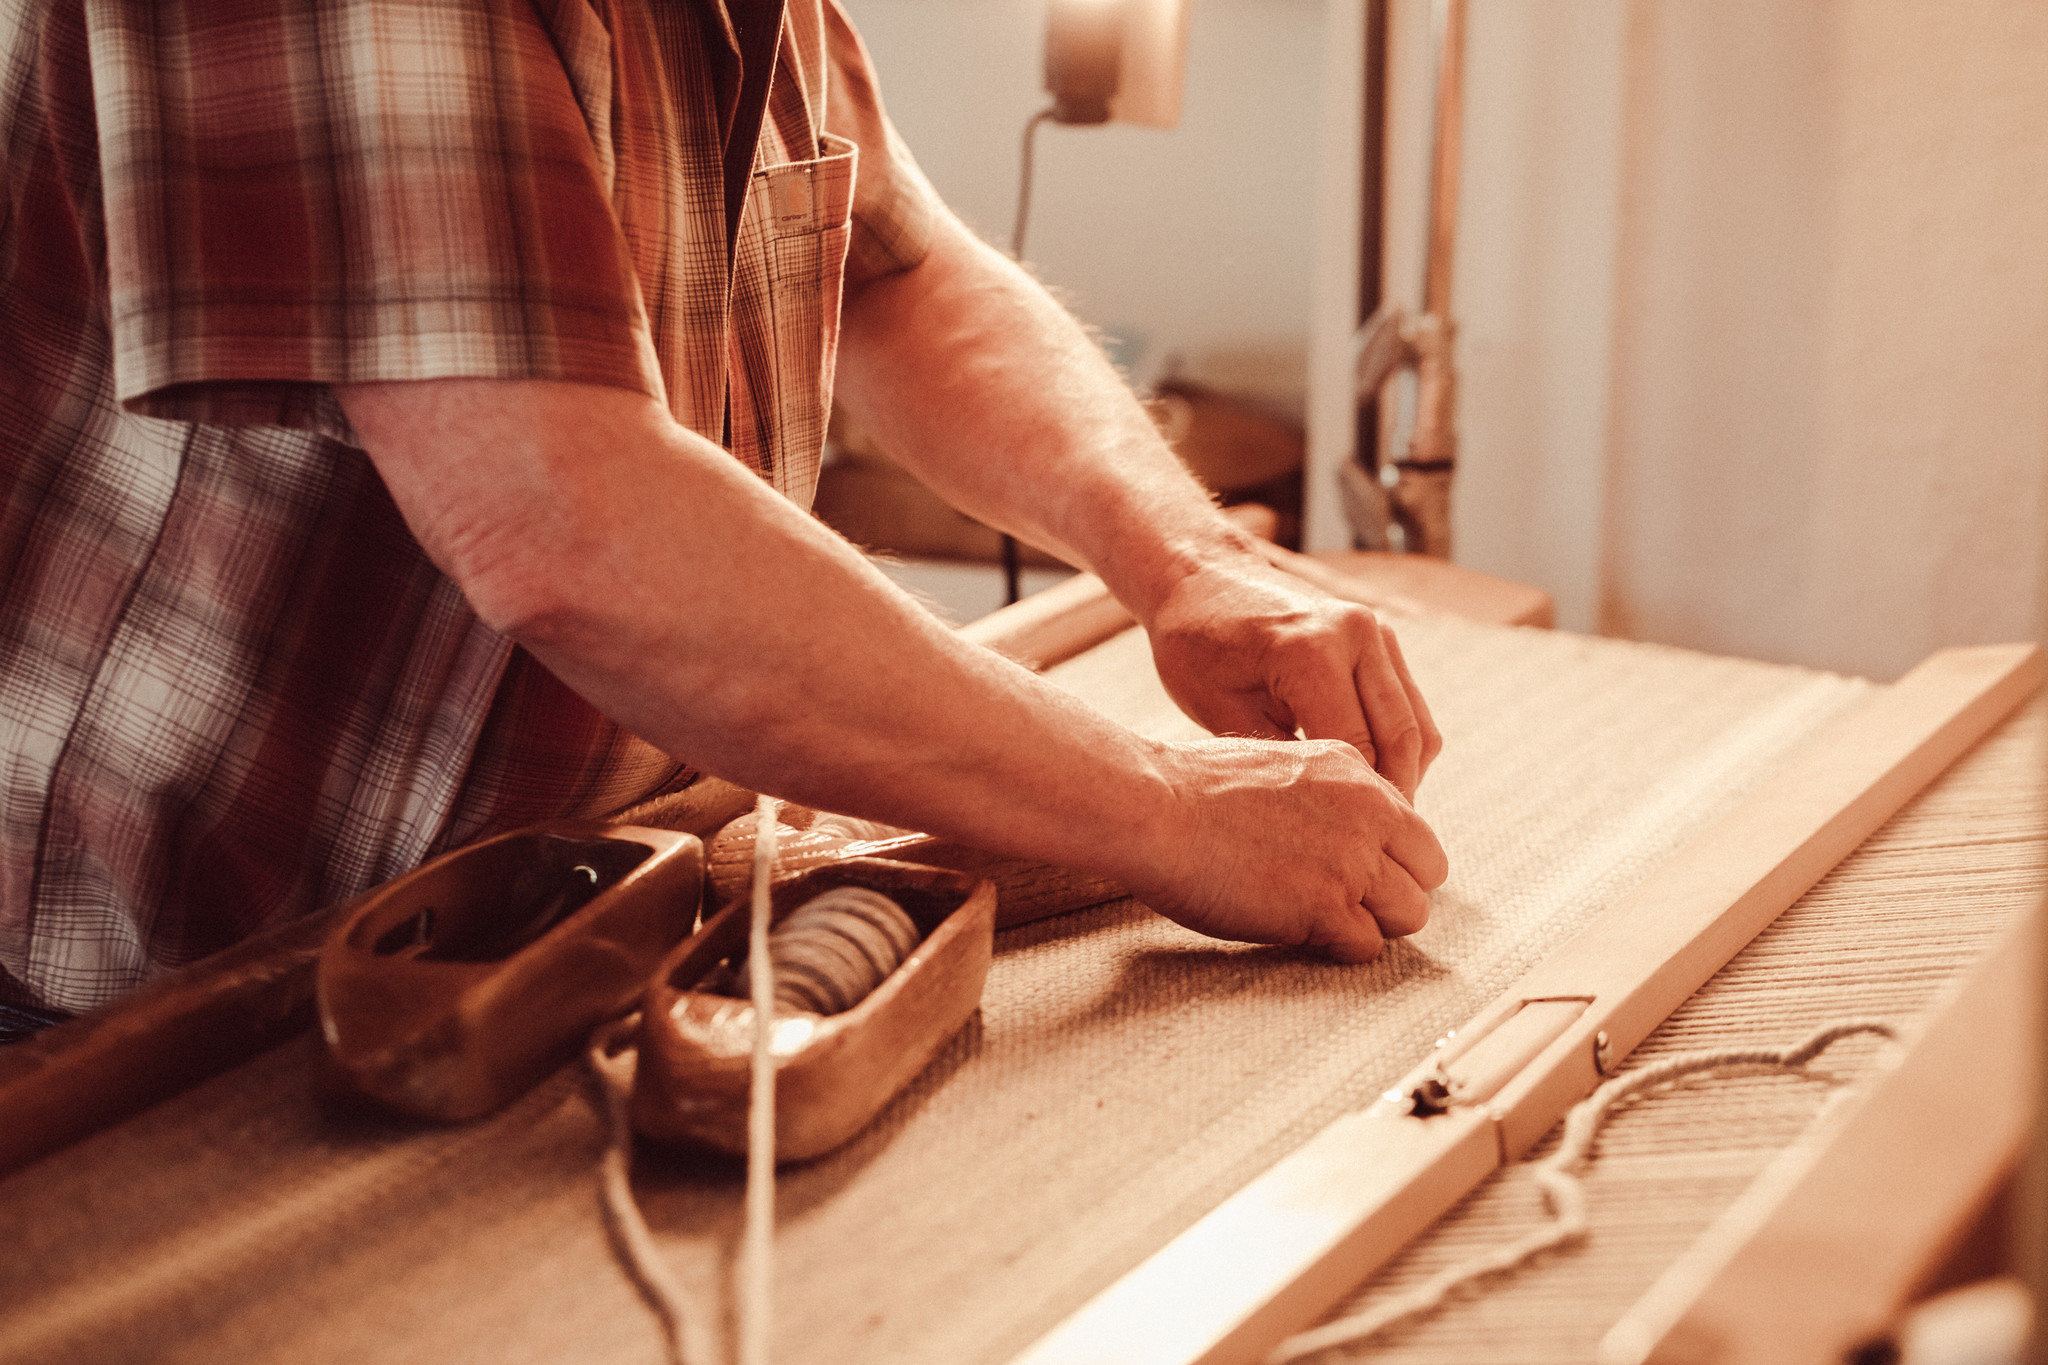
234,687
1885,936
1122,1076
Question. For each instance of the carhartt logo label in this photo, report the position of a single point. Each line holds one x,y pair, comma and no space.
789,196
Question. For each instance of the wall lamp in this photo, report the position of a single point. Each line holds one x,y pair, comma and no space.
1106,61
1116,60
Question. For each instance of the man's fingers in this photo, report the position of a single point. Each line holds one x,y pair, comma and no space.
1414,846
1350,934
1432,738
1385,694
1327,707
1360,692
1393,907
1393,901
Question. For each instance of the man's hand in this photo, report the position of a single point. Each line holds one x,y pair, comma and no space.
970,375
1298,843
1246,649
670,586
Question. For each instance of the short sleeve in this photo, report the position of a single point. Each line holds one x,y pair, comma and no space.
894,207
302,194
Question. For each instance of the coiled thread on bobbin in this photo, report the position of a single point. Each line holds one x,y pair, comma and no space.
831,952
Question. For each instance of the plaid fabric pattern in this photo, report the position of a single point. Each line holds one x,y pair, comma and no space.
232,688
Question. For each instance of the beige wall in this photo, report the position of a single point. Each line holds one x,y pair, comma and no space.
1753,293
1187,240
1756,320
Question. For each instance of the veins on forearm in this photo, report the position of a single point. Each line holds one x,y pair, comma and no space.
973,376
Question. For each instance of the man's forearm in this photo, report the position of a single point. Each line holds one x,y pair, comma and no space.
974,376
968,372
692,604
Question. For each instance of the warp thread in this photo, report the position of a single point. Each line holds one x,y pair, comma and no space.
1563,1194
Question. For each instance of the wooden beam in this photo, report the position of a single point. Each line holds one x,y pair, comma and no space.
1416,585
1833,1242
1052,626
169,1034
1283,1250
1069,618
91,1072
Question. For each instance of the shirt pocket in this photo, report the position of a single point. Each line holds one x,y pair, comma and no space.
800,213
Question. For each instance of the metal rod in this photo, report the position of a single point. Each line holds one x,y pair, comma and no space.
1013,577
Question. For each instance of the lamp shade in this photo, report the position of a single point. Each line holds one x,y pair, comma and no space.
1116,60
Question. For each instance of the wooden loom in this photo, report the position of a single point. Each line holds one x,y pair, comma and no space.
1281,1252
1288,1246
1572,1046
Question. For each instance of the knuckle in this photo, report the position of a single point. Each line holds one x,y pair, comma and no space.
1432,738
1366,636
1354,615
1396,904
1403,739
1310,654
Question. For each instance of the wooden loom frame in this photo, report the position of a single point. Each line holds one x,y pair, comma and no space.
1287,1247
103,1067
1863,1221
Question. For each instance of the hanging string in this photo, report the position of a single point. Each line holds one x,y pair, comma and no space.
827,956
624,1227
1563,1194
757,1241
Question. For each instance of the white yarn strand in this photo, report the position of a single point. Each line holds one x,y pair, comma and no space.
1563,1194
757,1245
627,1230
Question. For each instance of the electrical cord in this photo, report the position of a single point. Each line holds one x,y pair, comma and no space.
1024,183
1012,568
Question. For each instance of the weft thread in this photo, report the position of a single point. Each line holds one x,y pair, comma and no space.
830,953
1563,1193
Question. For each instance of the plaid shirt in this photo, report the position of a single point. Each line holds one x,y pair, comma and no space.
232,688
